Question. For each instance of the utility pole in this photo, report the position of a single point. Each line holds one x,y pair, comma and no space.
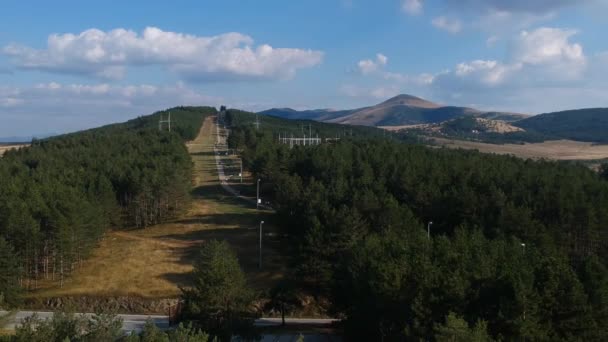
428,229
257,122
260,256
257,202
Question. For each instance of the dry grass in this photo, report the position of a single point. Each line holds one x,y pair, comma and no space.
154,262
558,149
4,148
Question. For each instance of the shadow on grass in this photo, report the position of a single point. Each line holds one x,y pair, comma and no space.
206,153
244,241
242,220
179,279
216,193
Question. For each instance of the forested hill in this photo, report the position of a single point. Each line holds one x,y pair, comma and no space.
582,125
414,243
298,127
59,195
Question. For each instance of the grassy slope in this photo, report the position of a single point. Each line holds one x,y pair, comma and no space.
154,262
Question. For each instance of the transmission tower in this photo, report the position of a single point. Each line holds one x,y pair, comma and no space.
166,121
257,122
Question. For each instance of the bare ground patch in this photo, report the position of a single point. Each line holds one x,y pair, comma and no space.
556,149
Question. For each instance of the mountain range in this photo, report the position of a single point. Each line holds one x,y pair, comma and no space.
400,110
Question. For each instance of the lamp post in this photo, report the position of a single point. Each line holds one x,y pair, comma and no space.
257,202
241,174
428,229
260,256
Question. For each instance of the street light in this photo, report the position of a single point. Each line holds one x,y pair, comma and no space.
260,257
428,229
241,174
257,203
523,245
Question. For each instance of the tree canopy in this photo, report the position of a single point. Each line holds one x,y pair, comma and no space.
410,241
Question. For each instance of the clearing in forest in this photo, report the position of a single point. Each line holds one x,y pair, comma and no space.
155,261
553,149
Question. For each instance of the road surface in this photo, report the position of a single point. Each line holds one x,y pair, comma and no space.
137,322
221,142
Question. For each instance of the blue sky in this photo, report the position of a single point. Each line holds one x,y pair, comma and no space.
66,65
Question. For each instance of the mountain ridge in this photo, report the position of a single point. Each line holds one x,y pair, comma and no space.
399,110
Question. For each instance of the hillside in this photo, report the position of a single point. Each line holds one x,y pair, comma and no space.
60,195
314,114
581,125
397,111
298,127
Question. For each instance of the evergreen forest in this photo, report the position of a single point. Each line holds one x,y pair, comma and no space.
413,242
58,196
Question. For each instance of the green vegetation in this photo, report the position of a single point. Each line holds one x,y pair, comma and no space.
583,124
516,248
298,128
69,327
219,299
58,196
9,275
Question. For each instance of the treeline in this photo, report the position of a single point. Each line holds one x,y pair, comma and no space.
589,124
58,196
413,243
243,130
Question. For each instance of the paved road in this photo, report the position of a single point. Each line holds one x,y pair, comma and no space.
136,322
221,143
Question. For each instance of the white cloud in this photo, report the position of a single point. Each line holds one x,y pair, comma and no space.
106,54
540,65
368,66
547,45
412,7
447,24
540,57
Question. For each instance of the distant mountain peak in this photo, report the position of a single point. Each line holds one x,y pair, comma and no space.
410,100
399,110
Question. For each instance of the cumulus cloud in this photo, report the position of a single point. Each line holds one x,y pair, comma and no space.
412,7
230,56
547,45
368,66
447,24
545,71
376,68
542,56
545,62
